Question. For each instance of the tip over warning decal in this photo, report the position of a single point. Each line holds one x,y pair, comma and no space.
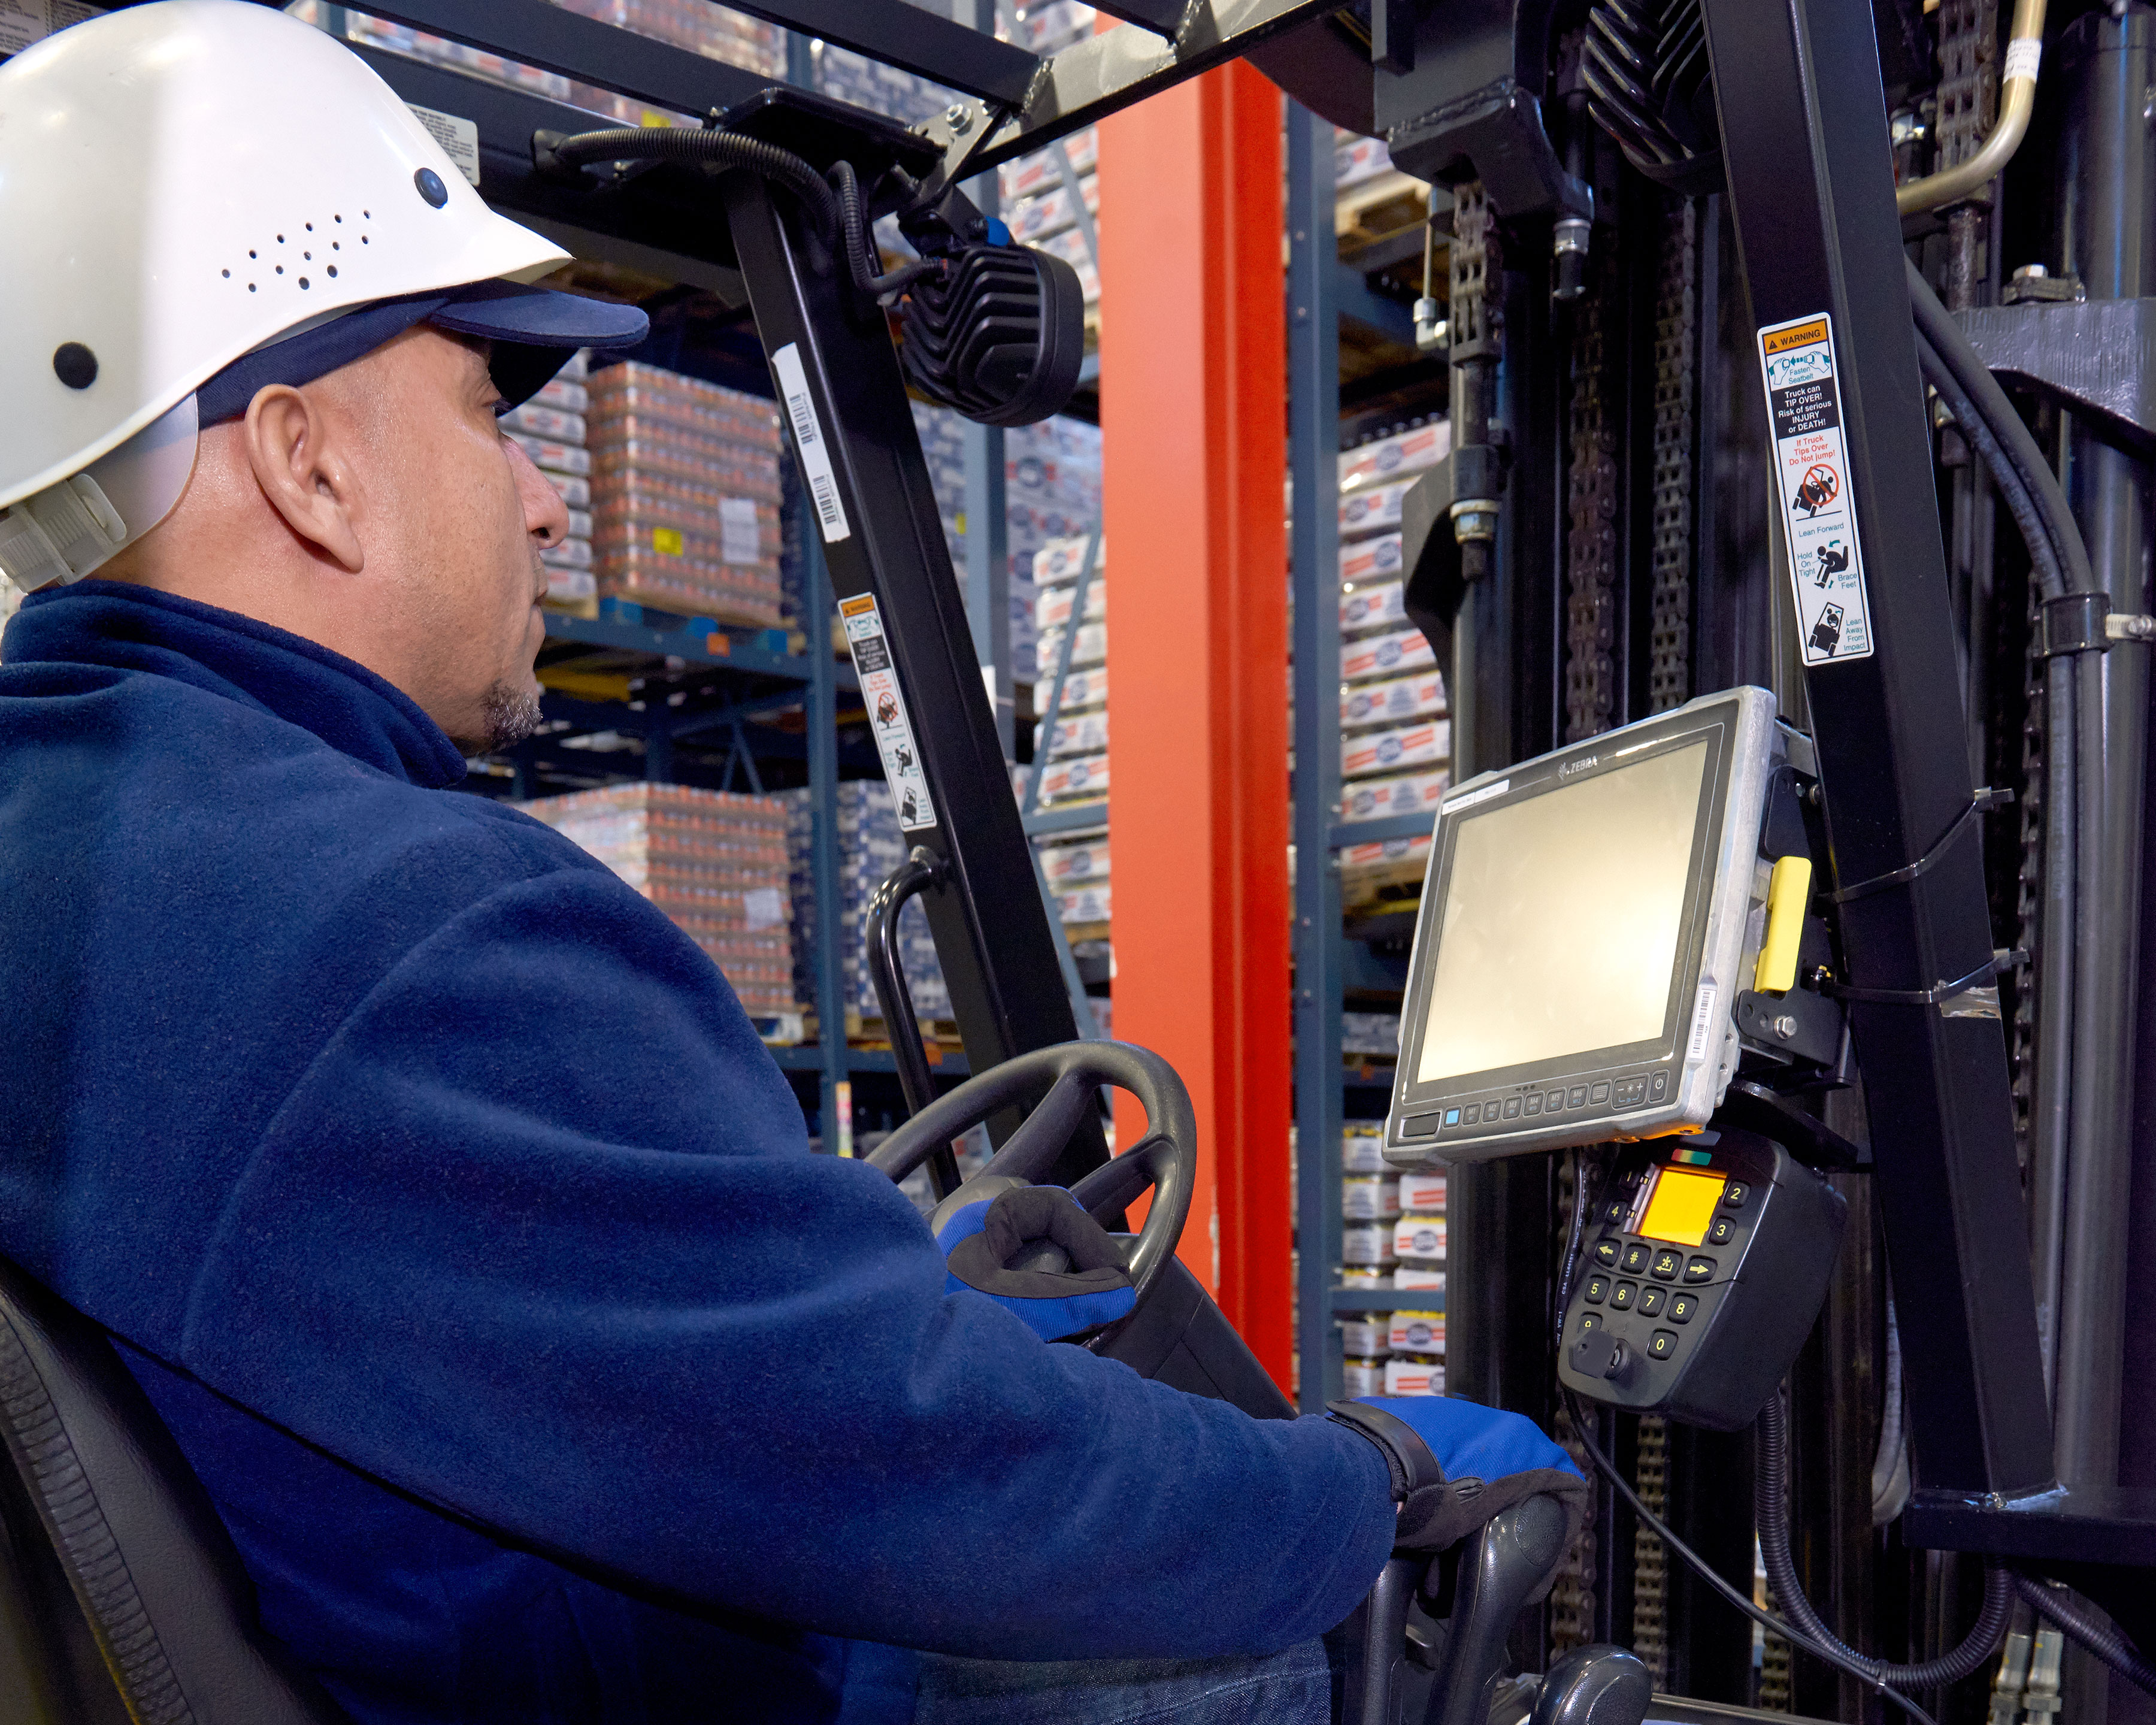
1826,563
887,714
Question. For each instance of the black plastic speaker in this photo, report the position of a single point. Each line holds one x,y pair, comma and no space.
999,336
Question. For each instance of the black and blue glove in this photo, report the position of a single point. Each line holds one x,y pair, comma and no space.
980,1240
1455,1465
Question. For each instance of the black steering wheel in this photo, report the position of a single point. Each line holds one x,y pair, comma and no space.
1070,1073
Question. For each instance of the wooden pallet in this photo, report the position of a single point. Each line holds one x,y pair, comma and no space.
1378,206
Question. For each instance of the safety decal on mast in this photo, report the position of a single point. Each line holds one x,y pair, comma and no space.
887,717
1811,466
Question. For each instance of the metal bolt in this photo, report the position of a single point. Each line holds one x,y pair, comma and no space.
1784,1027
2030,272
959,117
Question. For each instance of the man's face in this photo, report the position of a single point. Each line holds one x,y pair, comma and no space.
453,515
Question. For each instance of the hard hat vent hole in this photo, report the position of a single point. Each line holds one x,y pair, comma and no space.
431,186
303,281
332,269
74,365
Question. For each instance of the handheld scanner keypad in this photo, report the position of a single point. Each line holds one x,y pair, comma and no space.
1704,1266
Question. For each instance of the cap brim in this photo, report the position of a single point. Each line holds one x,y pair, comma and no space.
534,330
541,317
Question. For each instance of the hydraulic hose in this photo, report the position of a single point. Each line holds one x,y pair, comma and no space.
723,149
2017,101
2074,740
1989,402
2099,1637
1770,1511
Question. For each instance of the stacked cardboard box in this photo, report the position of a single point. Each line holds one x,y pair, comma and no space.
1051,492
552,428
685,495
1395,736
870,846
715,863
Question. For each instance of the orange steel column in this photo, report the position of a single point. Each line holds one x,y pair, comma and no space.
1193,443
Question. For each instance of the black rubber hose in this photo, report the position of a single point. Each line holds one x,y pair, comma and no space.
2066,833
1938,327
2092,1632
1714,1578
861,260
681,143
1770,1511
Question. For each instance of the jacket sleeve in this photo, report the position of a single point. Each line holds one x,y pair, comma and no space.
536,1238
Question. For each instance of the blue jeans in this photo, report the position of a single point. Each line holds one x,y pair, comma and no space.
1297,1686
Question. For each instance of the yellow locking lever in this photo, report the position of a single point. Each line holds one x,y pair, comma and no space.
1788,892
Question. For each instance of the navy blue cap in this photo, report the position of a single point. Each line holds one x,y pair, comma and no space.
534,331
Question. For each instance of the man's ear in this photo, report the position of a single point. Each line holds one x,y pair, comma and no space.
305,472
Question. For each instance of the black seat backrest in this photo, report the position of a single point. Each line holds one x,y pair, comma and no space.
122,1601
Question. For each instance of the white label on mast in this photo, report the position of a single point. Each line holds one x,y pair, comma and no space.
1811,478
808,441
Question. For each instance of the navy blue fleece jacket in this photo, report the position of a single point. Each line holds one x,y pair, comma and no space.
468,1238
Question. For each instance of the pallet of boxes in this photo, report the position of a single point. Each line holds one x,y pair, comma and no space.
1073,759
552,428
685,497
871,845
1395,732
1392,1238
715,864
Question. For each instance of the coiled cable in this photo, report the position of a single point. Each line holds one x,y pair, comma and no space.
861,258
1833,1655
1770,1492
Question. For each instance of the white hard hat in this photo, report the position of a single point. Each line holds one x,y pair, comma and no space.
196,182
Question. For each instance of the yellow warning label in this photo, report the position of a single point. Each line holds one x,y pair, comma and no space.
859,606
1799,335
667,541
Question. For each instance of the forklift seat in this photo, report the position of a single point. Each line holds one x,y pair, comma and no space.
122,1600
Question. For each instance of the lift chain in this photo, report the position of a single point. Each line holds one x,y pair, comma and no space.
1590,634
1676,294
1474,260
1968,82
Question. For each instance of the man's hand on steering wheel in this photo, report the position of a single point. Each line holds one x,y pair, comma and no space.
981,1241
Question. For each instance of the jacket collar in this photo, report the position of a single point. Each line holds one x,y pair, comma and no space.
118,624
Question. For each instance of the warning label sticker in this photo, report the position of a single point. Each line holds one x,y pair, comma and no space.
1826,563
887,714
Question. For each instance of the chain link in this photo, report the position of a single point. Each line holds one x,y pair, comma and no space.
1590,633
1677,314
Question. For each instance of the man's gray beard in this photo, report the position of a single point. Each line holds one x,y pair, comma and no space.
512,714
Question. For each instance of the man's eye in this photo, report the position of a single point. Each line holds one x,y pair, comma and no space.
501,409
